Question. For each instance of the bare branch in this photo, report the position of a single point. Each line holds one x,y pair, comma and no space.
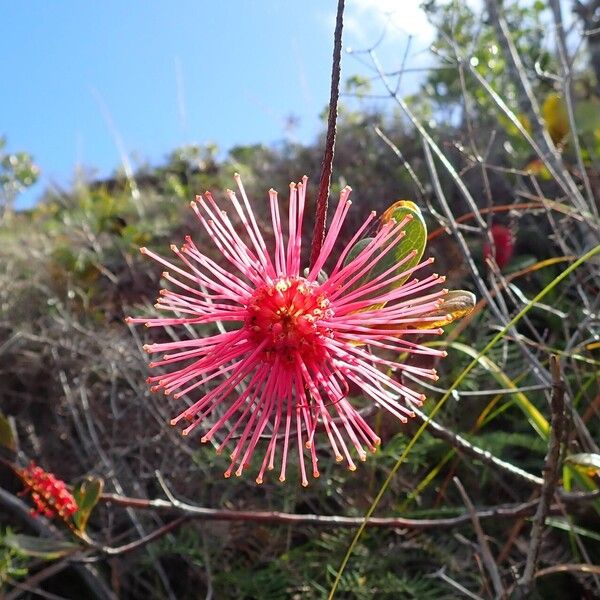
486,553
484,456
508,511
551,469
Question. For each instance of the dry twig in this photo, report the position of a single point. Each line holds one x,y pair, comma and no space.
551,469
486,553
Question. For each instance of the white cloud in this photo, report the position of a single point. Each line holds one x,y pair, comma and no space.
366,20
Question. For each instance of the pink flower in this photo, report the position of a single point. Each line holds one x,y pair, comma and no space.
293,342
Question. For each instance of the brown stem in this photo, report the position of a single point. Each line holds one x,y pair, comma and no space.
551,468
282,518
326,165
569,568
147,539
486,553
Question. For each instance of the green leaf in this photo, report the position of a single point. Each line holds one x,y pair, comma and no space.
86,494
7,438
588,460
357,249
46,548
566,526
414,239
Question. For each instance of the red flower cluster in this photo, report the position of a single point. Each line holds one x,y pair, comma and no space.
504,243
50,495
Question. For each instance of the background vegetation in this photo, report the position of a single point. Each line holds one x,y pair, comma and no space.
501,150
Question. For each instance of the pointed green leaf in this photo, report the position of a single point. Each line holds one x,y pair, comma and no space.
86,494
46,548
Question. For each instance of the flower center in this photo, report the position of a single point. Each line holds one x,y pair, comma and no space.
289,314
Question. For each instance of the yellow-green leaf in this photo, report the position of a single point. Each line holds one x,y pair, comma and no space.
457,304
588,460
7,438
86,494
414,240
555,115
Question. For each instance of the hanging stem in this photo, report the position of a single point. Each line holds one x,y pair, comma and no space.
326,165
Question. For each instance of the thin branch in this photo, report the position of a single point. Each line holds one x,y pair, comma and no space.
484,456
418,185
551,468
326,166
457,586
147,539
22,587
548,152
538,369
486,553
567,88
507,511
569,568
429,145
31,583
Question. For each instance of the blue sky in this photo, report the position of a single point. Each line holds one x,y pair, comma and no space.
162,74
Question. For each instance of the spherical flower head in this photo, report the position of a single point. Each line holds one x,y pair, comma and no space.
291,343
49,494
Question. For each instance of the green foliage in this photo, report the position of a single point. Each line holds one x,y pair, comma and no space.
468,40
38,547
17,173
358,86
306,570
13,565
462,34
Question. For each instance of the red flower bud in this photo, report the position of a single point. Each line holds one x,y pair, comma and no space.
49,494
